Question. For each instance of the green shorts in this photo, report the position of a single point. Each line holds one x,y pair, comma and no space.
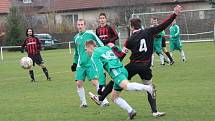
158,48
118,75
83,72
175,45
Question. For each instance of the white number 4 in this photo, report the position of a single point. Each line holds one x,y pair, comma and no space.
143,46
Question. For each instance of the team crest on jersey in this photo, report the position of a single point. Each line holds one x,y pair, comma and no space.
109,55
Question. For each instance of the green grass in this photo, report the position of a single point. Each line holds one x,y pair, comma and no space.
185,90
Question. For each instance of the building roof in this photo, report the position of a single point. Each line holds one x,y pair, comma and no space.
5,6
67,5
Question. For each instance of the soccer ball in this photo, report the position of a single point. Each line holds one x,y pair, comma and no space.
26,62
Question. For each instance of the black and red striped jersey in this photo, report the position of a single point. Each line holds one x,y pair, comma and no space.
107,34
32,45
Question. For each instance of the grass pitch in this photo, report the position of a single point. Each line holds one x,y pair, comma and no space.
185,90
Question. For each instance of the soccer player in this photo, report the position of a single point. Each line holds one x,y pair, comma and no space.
141,45
157,43
33,47
160,45
82,63
175,41
105,32
104,57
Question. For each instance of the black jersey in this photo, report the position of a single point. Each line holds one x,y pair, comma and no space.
141,42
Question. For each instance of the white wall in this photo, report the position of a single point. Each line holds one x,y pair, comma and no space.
91,16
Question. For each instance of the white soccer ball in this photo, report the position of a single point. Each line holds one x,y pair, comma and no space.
26,62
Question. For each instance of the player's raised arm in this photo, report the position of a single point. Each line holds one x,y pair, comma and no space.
166,22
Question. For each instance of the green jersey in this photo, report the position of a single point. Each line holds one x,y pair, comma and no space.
158,42
174,32
80,55
158,38
104,57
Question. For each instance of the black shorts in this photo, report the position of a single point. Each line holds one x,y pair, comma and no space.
163,42
36,59
141,68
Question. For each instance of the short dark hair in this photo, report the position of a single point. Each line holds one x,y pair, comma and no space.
102,14
135,23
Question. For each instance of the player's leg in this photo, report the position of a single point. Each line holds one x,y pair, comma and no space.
145,74
161,58
108,88
79,77
122,80
183,55
105,91
122,103
45,71
171,48
134,86
171,61
152,60
179,47
153,56
31,72
92,76
81,93
166,51
39,61
158,50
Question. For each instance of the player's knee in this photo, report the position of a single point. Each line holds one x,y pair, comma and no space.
79,83
147,82
94,82
124,84
42,65
114,96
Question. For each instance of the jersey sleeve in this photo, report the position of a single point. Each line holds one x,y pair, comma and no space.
98,66
39,44
96,39
157,29
75,56
177,31
114,35
120,53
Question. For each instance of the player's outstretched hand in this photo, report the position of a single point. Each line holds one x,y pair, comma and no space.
177,9
110,44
